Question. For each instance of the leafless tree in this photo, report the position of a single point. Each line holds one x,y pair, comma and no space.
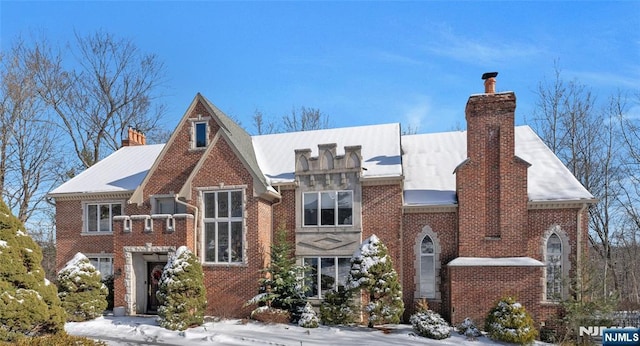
28,157
263,126
305,119
111,86
586,140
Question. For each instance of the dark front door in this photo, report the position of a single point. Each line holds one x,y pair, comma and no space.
154,272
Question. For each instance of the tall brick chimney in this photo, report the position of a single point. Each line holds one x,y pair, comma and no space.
134,137
492,183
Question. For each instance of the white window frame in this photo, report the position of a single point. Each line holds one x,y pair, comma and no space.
565,264
194,132
422,292
86,216
318,278
216,220
101,257
336,221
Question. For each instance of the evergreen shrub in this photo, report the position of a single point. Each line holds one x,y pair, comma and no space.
81,291
509,321
29,303
308,318
181,292
338,307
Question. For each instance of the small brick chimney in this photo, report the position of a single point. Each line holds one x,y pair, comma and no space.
134,137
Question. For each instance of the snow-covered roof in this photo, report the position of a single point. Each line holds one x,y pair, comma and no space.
381,155
495,262
121,171
429,161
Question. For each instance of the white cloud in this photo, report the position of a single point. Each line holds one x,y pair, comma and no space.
443,41
415,113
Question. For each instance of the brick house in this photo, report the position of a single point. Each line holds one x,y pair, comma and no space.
468,216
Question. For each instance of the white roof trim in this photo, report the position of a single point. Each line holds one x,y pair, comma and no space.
495,262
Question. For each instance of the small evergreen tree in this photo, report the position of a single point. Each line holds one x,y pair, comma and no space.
509,321
308,317
372,271
338,307
181,292
281,288
29,304
80,288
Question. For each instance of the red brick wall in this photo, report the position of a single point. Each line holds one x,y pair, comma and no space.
382,216
69,240
475,290
445,225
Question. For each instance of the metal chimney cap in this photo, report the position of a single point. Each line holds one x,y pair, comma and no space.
488,75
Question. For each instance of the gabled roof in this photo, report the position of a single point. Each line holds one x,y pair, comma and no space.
240,142
381,154
122,171
429,161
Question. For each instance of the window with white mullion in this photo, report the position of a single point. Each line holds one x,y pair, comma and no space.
99,216
325,274
328,208
223,221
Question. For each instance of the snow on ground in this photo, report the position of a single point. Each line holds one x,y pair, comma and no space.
118,331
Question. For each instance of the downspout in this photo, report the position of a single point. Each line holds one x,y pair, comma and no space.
196,249
579,251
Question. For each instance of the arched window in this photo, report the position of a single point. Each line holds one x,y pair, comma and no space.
554,259
427,268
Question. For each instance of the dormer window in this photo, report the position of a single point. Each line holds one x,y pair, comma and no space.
200,135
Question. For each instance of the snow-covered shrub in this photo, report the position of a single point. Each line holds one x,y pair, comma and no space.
308,318
469,329
430,325
181,292
281,288
509,321
372,271
29,304
81,291
58,339
338,307
270,315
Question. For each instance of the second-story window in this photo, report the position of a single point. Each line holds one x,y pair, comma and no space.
328,208
201,135
100,216
223,226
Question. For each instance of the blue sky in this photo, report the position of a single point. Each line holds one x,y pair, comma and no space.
358,62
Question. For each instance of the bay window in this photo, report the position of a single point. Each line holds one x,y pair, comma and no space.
328,208
325,273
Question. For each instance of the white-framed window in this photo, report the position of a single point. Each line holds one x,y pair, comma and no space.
103,263
223,226
427,264
99,216
328,208
167,205
427,268
325,274
200,134
554,261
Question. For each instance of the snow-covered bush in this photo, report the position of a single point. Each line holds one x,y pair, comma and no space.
430,325
509,321
81,291
338,307
281,288
29,304
469,329
308,318
181,292
372,271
